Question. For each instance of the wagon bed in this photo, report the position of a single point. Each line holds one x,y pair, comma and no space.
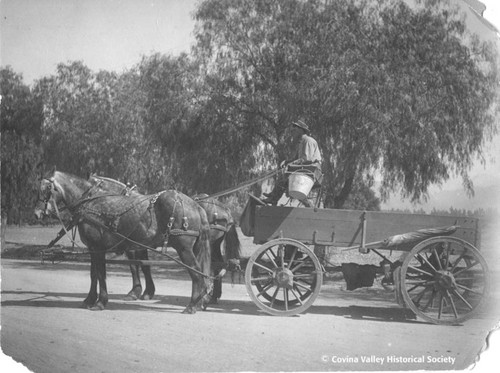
345,228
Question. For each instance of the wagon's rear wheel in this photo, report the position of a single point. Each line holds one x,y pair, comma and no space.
444,280
283,277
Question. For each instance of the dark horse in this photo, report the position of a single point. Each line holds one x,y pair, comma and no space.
119,223
222,230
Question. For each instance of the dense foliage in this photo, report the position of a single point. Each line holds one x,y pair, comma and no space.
21,118
404,94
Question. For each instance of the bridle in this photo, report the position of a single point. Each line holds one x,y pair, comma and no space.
49,194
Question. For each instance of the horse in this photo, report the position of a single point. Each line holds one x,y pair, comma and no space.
119,223
222,230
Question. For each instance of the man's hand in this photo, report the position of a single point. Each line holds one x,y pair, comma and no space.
283,164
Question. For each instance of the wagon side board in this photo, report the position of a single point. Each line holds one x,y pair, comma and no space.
343,228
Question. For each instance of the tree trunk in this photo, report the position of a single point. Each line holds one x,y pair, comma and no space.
3,227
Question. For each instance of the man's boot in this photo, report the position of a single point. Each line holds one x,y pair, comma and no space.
274,196
306,202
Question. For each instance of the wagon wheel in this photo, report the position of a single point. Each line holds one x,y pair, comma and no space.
444,280
283,277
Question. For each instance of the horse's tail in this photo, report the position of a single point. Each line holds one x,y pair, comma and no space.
203,254
232,243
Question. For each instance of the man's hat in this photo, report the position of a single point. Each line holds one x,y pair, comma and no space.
302,125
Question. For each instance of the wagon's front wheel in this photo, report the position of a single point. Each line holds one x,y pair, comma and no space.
444,280
283,277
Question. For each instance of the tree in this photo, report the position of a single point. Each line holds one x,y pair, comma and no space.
96,120
21,118
386,89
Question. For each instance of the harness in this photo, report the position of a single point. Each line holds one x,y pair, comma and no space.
93,221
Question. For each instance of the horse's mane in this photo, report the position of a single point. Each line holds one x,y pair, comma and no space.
110,180
76,180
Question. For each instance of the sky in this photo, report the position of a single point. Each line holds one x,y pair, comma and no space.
36,35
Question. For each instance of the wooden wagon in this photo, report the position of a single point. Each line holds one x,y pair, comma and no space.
442,277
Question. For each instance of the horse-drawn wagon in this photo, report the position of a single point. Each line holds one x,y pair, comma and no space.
441,277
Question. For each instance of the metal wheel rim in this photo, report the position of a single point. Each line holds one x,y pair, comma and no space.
447,290
279,299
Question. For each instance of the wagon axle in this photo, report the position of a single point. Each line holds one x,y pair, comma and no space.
283,277
445,280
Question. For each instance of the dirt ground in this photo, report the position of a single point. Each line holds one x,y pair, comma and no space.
43,328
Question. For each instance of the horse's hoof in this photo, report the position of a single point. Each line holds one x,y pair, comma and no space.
147,296
213,300
99,306
130,297
189,310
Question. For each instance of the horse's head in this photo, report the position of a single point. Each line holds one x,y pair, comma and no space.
48,196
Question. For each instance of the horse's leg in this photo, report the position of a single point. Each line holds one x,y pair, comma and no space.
136,290
92,295
217,265
101,275
149,292
188,258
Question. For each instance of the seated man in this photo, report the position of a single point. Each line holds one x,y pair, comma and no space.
307,153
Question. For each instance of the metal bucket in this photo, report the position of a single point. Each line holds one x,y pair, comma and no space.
299,185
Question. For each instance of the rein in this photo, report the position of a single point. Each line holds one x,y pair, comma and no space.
242,185
100,225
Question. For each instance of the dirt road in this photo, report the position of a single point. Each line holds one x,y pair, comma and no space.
44,328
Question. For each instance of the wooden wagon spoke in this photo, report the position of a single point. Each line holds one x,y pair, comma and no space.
270,258
469,289
465,269
419,270
304,275
273,298
297,290
419,296
297,297
259,279
438,258
304,283
463,299
447,249
298,266
458,261
466,278
298,284
424,258
431,300
421,282
440,312
265,289
426,284
285,297
264,267
292,258
452,304
281,253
